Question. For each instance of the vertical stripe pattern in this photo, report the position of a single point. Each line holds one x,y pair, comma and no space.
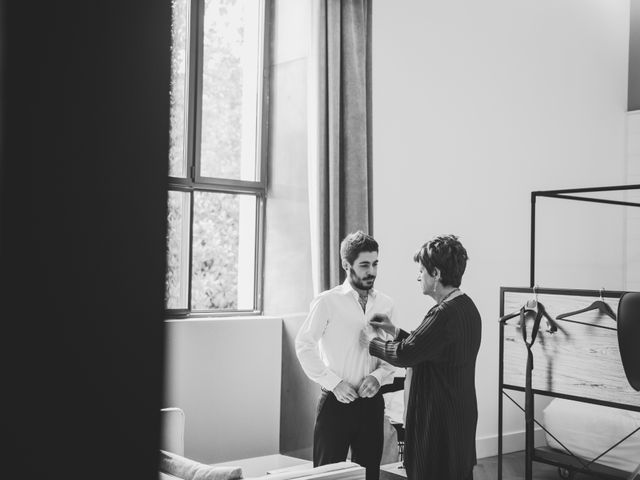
442,410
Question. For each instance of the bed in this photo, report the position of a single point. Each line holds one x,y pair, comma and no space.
590,430
579,364
174,466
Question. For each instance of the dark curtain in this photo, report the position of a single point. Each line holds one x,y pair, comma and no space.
340,181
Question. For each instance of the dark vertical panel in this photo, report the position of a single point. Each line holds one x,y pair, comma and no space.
85,107
634,57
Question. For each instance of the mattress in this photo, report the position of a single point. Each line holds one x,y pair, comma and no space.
588,430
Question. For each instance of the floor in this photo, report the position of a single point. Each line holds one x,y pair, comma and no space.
487,469
513,469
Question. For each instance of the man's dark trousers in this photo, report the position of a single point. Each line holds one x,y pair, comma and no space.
358,425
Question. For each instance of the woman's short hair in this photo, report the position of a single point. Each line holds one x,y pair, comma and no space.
446,253
354,243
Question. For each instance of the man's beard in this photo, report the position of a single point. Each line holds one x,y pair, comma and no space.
358,282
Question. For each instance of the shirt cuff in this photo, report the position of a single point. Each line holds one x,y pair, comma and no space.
330,381
377,347
384,377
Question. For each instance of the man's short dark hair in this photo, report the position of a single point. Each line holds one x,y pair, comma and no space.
355,243
446,253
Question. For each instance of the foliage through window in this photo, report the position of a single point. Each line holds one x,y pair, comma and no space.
216,162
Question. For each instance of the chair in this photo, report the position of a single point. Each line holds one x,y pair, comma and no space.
400,432
172,425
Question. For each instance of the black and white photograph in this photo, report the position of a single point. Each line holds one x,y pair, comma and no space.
320,239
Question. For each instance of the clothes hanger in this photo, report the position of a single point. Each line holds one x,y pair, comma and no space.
532,307
600,305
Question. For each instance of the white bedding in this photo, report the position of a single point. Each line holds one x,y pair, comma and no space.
394,406
588,430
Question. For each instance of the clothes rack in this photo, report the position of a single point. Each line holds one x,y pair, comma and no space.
539,455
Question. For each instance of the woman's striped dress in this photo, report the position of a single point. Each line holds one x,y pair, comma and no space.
442,410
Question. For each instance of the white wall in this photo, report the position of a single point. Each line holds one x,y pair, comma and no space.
475,105
288,286
633,213
225,375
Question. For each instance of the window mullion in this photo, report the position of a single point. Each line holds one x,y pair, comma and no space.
190,266
266,7
194,127
259,253
195,114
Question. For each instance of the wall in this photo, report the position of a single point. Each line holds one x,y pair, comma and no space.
288,283
225,375
633,213
634,57
476,104
299,397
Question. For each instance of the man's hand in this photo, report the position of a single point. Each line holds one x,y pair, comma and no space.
369,387
344,392
383,322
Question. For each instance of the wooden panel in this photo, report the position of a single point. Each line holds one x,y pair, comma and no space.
580,359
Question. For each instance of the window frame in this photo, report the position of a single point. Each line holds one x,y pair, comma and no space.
194,182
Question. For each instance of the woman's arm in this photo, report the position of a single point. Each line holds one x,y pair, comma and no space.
426,343
383,322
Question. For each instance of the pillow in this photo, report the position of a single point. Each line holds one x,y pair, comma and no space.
187,469
166,476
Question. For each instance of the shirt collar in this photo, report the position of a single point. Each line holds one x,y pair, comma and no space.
347,288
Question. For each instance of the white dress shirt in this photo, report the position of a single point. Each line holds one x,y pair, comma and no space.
328,343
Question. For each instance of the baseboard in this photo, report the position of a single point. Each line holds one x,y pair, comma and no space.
305,453
485,446
511,442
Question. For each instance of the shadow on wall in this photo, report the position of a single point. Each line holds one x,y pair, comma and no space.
299,397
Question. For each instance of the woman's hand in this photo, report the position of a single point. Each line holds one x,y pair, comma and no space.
366,334
383,322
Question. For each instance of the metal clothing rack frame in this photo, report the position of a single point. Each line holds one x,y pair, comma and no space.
531,455
569,194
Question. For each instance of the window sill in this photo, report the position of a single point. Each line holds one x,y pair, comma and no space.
221,318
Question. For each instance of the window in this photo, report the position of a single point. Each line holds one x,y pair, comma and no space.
217,181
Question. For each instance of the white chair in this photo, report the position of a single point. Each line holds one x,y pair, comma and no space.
172,424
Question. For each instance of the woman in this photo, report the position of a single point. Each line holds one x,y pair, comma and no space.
442,412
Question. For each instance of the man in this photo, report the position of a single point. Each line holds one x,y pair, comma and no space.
351,409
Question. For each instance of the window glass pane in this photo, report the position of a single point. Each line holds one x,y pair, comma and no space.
177,285
224,244
179,99
230,83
